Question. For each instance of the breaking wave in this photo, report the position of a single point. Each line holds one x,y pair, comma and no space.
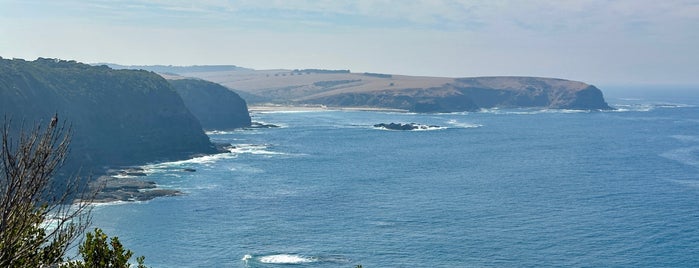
463,125
281,259
647,107
233,151
529,111
252,149
291,259
223,132
207,159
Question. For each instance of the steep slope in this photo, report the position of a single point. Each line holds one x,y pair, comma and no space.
216,107
119,117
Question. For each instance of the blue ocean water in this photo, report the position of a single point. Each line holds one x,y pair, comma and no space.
498,188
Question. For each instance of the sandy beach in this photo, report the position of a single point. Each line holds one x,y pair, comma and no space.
304,108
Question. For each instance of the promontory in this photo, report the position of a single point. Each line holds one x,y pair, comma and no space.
342,88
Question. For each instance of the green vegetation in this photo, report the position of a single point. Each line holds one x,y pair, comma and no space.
96,252
334,82
379,75
36,225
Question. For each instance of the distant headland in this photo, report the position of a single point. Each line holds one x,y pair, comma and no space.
343,88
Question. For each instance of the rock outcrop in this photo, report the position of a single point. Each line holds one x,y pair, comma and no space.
216,107
408,126
127,189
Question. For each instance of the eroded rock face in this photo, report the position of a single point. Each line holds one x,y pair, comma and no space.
216,107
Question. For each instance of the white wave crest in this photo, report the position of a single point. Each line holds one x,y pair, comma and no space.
207,159
114,203
234,151
286,259
647,107
463,125
221,132
252,149
620,108
123,176
529,111
290,111
428,128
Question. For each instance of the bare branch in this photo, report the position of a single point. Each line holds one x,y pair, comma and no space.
38,223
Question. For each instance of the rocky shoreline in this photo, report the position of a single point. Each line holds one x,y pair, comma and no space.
129,185
408,126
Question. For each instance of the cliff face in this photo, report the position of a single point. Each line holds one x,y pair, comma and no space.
472,94
215,106
119,117
488,92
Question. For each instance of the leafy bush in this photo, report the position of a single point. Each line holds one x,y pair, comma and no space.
96,252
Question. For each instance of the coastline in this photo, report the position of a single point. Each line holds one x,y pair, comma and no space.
126,188
261,108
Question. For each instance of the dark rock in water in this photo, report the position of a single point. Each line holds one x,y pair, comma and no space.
127,189
409,126
150,194
262,125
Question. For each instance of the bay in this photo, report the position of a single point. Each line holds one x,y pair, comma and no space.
502,187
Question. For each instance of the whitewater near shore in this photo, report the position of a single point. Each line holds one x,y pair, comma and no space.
521,188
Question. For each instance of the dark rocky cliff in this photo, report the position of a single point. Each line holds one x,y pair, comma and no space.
119,117
488,92
216,107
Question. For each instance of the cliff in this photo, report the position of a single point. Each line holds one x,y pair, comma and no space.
472,94
414,93
216,107
119,117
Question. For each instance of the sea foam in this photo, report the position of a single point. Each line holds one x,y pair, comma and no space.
286,259
463,125
252,149
530,111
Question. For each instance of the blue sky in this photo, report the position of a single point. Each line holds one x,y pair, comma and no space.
596,41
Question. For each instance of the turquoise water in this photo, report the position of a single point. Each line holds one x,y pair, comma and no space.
498,188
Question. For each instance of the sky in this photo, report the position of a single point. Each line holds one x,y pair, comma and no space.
613,42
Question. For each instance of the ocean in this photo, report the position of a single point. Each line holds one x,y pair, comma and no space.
496,188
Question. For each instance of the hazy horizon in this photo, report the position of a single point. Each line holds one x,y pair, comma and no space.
597,42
